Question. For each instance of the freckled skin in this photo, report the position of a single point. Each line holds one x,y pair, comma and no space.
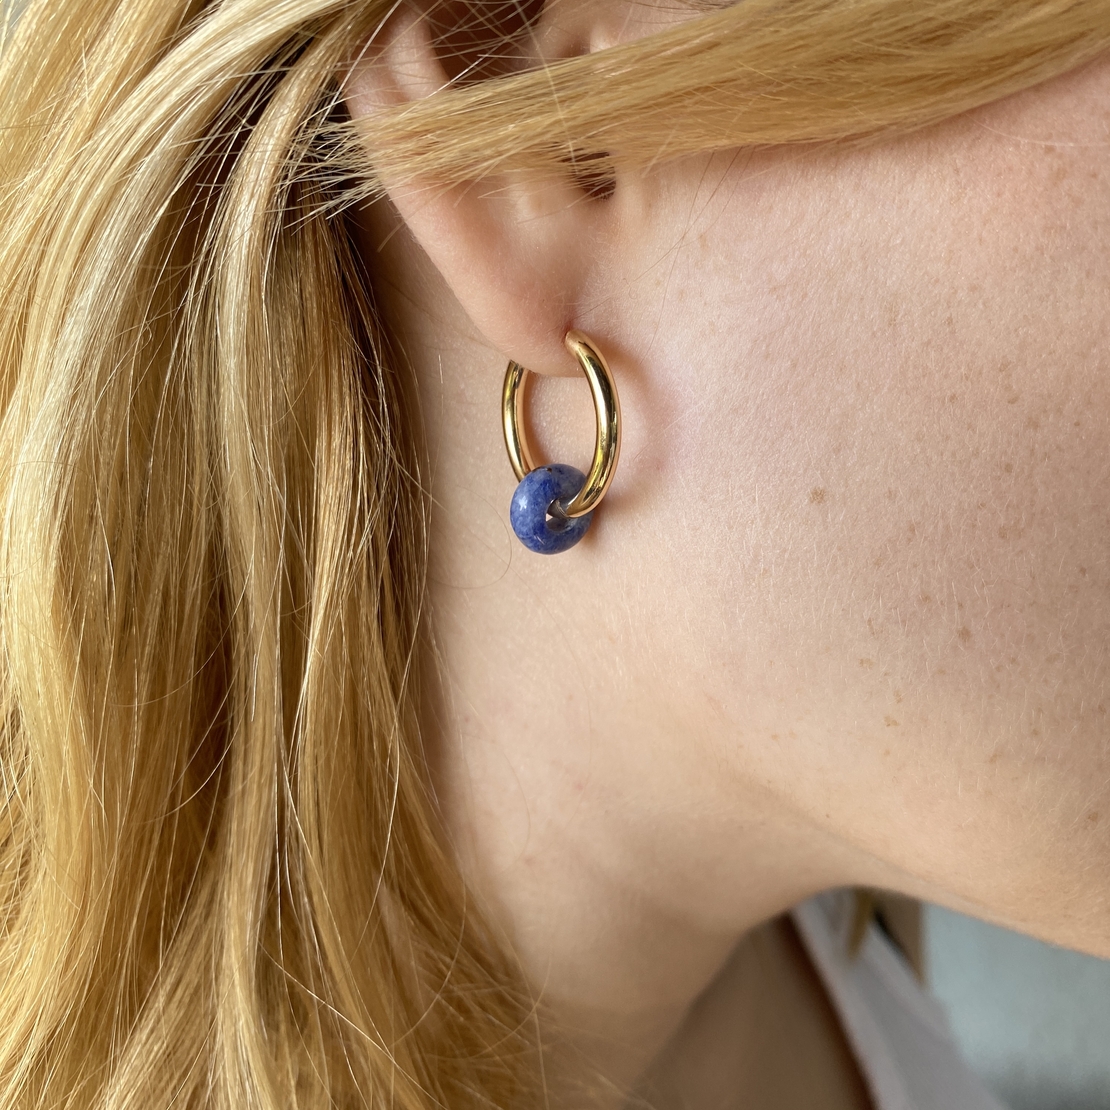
915,339
844,616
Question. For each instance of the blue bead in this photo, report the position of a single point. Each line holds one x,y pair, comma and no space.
528,513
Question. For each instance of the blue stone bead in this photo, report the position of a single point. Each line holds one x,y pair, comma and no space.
528,513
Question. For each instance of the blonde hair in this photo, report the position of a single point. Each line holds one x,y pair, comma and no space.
222,879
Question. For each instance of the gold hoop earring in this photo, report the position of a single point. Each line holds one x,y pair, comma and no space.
553,505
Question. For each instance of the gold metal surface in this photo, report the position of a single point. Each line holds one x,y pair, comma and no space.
607,445
512,416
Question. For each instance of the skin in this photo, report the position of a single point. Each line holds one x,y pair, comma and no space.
843,617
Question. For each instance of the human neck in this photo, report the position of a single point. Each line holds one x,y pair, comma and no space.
602,803
583,771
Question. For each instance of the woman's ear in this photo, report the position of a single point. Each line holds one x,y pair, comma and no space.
525,258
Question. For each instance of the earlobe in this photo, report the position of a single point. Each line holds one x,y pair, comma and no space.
508,248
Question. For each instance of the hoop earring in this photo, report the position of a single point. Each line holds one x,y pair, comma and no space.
553,505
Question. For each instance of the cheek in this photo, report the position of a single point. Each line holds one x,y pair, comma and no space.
890,388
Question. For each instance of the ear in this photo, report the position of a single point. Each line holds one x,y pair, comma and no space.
525,259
